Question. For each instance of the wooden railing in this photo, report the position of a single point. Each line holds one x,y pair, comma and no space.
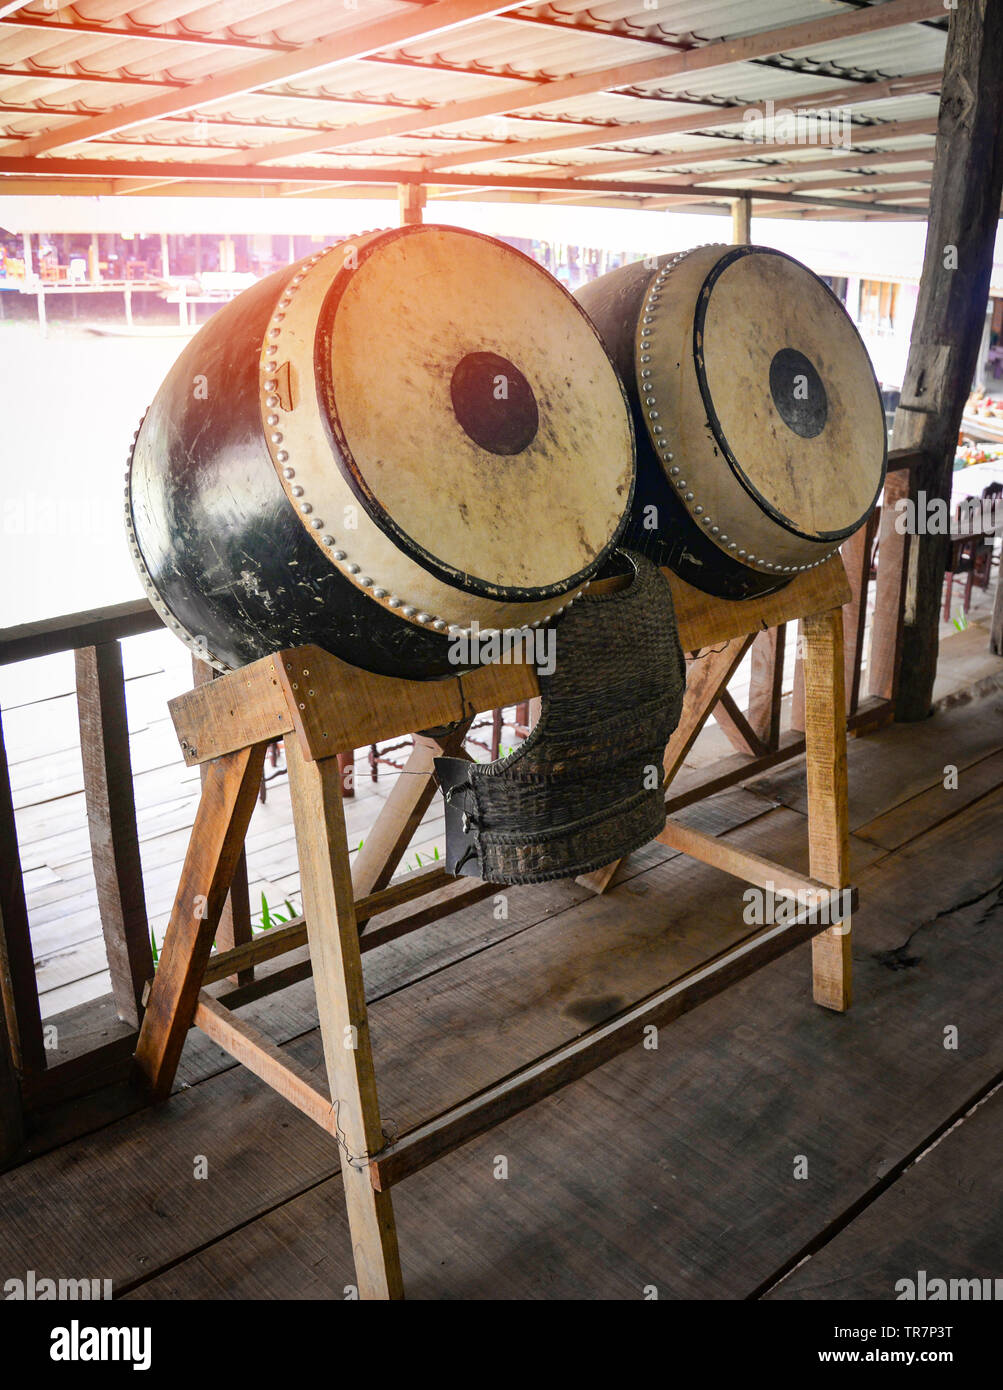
27,1082
95,639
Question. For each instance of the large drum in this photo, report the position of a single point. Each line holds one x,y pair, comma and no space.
372,450
760,430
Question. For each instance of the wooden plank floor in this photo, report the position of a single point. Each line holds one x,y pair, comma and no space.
766,1148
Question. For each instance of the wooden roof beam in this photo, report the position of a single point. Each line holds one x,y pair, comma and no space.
673,200
199,173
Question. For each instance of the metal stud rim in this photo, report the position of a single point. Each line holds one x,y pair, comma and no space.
333,548
649,311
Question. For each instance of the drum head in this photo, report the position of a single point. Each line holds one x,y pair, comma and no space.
790,393
474,412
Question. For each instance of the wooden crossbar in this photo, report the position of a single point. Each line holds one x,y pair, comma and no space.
259,1054
755,869
278,940
521,1089
447,894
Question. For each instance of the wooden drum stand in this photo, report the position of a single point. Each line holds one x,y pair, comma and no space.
321,707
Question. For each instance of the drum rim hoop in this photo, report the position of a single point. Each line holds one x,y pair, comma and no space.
703,298
352,474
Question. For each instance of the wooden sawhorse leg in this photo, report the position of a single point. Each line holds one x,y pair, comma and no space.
229,792
329,908
410,797
352,1115
828,811
825,758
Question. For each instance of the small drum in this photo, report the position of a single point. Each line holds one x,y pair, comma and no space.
760,430
372,450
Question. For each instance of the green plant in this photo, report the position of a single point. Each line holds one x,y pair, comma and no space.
961,621
270,918
418,864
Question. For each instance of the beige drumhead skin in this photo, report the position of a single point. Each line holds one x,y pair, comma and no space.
410,313
760,305
713,321
356,375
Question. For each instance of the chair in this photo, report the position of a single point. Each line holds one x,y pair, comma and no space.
971,550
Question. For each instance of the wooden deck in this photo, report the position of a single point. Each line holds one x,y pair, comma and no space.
676,1167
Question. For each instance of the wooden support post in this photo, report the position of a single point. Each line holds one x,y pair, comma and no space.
857,560
766,686
111,822
996,629
411,198
234,927
228,796
329,907
947,329
11,1120
885,659
741,221
17,966
828,813
797,692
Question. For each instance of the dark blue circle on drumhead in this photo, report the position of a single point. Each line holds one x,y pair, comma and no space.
798,393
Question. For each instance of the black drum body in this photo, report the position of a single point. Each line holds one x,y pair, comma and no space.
340,455
226,555
760,435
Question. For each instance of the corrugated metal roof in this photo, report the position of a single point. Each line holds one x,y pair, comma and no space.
562,91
